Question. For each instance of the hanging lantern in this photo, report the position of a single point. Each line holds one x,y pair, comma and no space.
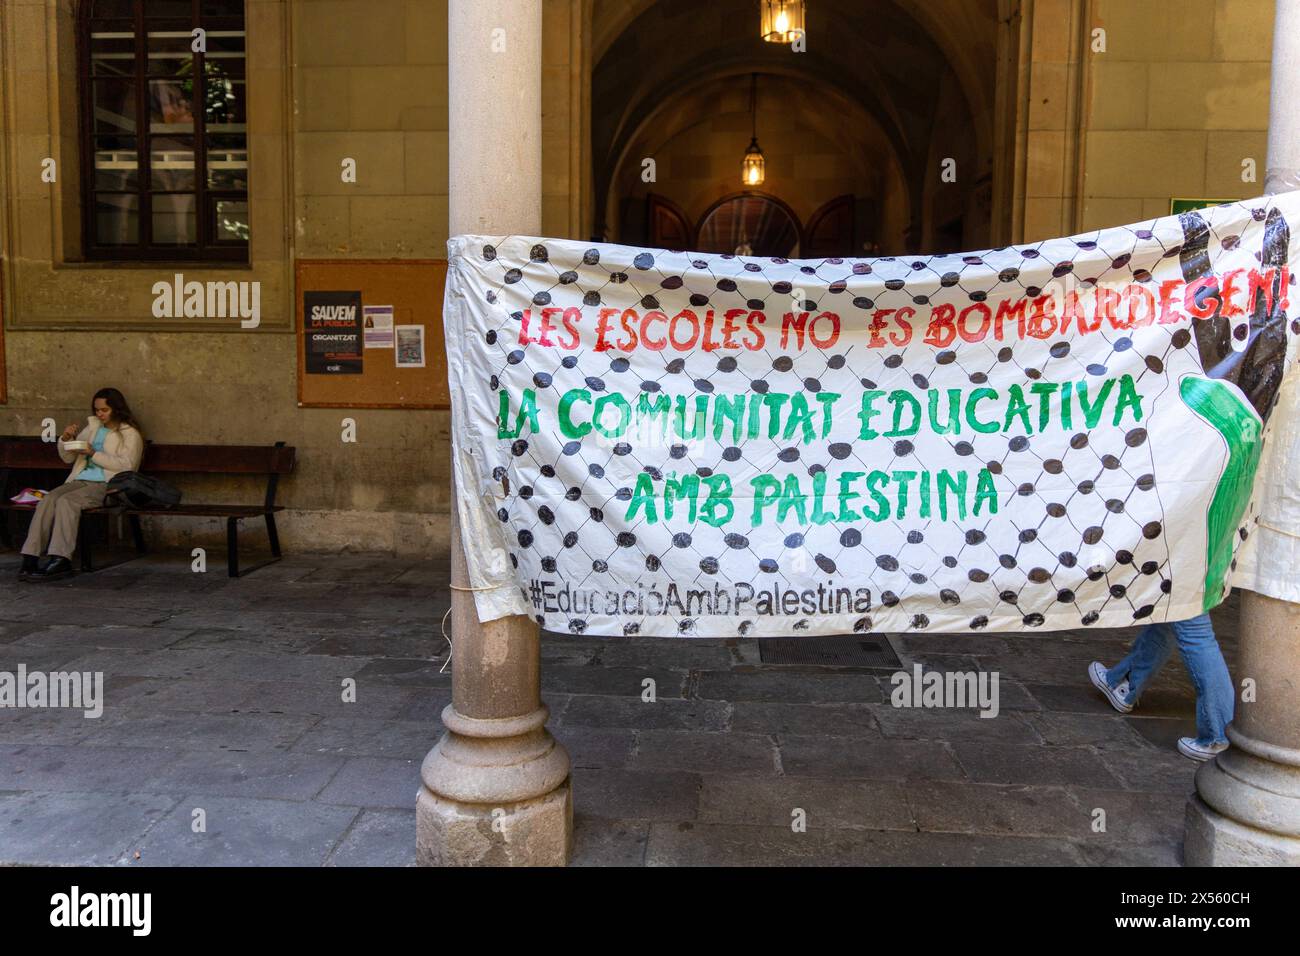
753,166
781,20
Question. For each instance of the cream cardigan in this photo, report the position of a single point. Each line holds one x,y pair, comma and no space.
123,449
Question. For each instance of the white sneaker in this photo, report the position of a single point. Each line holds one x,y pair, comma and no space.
1189,747
1116,695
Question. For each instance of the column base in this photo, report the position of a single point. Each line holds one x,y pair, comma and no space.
1246,809
537,832
494,792
1211,839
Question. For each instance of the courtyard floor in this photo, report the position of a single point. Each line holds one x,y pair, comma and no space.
226,697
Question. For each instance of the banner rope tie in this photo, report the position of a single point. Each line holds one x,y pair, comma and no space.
447,637
1264,524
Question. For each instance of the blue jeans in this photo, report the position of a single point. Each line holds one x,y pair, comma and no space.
1205,665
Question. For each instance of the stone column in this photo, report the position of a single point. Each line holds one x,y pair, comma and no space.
1246,810
495,789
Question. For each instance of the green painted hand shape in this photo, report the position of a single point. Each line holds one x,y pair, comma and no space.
1222,407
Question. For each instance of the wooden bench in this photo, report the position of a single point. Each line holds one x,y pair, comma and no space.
272,461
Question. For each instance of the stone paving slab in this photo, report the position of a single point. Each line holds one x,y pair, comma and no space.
81,637
71,829
823,801
1144,854
963,849
216,664
356,571
1162,732
1097,730
868,758
179,731
425,703
593,748
637,794
274,775
827,720
600,842
406,672
699,654
1042,669
1151,769
73,611
367,737
230,696
35,658
47,727
259,642
1130,818
377,838
696,844
1015,810
327,699
560,651
152,695
965,725
945,661
613,681
79,768
1079,697
705,752
1044,766
418,645
749,683
201,615
1012,695
123,770
243,832
374,782
590,710
10,632
922,642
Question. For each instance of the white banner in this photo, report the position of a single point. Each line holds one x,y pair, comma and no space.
1054,435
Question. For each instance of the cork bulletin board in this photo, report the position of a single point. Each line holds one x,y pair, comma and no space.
413,288
4,395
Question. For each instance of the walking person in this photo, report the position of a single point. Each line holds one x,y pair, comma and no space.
109,443
1123,684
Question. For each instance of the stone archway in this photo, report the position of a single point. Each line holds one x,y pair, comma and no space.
922,79
819,145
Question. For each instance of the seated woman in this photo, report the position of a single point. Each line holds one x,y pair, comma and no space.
112,443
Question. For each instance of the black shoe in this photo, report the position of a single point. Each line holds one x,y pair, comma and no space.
54,568
29,566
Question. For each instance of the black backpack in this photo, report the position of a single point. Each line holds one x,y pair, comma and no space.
141,491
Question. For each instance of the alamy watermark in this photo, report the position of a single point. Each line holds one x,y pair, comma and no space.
179,299
81,690
130,910
959,689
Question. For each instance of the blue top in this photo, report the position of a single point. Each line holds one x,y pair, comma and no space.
92,472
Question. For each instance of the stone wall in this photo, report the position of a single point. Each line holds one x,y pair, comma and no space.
1176,103
368,81
1170,109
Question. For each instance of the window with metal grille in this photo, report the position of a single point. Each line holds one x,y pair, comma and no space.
164,131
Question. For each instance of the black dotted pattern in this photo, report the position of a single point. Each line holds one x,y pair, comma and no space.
1081,536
